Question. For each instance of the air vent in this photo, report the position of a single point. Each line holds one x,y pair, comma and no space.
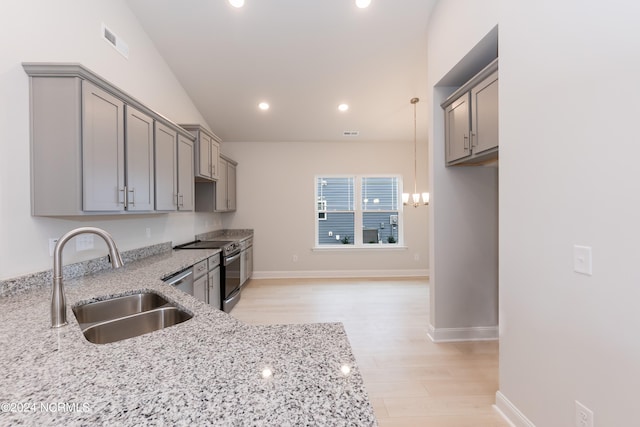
115,41
351,133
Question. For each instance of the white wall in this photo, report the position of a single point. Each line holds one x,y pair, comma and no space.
69,31
276,198
568,175
464,227
569,93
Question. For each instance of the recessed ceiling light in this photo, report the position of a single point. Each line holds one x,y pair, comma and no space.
343,107
363,3
263,106
236,3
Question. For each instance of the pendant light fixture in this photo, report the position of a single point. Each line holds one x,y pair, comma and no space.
415,196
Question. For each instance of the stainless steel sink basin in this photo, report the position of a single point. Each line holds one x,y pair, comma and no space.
135,325
114,308
128,316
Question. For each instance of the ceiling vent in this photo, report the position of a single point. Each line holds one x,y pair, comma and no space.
351,133
115,41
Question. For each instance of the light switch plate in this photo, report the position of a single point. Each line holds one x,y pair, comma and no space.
84,242
582,262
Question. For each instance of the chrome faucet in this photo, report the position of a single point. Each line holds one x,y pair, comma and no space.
58,303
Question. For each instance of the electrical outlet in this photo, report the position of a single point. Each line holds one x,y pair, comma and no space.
584,416
416,257
294,258
84,242
52,245
148,232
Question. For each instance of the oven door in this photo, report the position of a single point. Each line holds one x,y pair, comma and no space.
231,268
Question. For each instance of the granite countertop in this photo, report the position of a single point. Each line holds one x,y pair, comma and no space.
207,370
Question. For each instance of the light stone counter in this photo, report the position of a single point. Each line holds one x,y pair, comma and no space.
205,371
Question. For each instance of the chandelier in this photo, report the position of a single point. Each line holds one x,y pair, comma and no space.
415,196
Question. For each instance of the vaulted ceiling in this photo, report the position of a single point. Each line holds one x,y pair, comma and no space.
303,57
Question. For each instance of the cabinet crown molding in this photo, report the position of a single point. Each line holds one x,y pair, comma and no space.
74,69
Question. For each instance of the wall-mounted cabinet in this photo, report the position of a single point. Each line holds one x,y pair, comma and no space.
471,120
207,153
93,147
226,186
219,196
174,170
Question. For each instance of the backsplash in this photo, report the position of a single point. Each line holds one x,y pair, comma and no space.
44,278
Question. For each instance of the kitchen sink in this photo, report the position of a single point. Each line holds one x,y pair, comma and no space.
128,316
135,325
114,308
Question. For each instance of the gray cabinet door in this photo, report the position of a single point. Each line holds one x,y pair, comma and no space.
484,114
215,159
231,187
214,288
166,168
221,187
204,156
139,155
457,129
103,168
185,174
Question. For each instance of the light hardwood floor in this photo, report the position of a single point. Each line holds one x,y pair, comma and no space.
410,380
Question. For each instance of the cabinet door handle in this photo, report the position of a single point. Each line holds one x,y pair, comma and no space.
181,198
466,142
132,202
474,140
123,201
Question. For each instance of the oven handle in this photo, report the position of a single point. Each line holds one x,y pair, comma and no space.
231,259
180,277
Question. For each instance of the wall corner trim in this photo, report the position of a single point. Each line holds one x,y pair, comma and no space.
474,333
510,412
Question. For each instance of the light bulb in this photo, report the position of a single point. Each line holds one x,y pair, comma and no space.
263,106
405,198
236,3
416,198
425,198
363,3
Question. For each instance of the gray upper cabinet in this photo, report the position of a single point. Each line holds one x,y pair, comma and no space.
166,165
207,153
185,174
139,154
221,187
471,120
226,186
93,147
231,186
174,170
103,171
457,129
484,117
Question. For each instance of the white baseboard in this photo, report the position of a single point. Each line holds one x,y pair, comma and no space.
477,333
322,274
510,413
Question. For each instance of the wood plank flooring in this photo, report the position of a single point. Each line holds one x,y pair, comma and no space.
410,380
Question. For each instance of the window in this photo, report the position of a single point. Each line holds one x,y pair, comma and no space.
369,204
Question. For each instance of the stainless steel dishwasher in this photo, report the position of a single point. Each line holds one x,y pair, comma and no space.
182,280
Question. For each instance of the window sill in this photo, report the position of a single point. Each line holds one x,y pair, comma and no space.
354,248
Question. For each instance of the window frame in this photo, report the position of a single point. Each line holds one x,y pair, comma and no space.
358,214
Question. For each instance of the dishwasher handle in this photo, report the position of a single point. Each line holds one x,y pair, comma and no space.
180,277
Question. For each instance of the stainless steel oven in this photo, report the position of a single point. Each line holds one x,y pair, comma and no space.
230,278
